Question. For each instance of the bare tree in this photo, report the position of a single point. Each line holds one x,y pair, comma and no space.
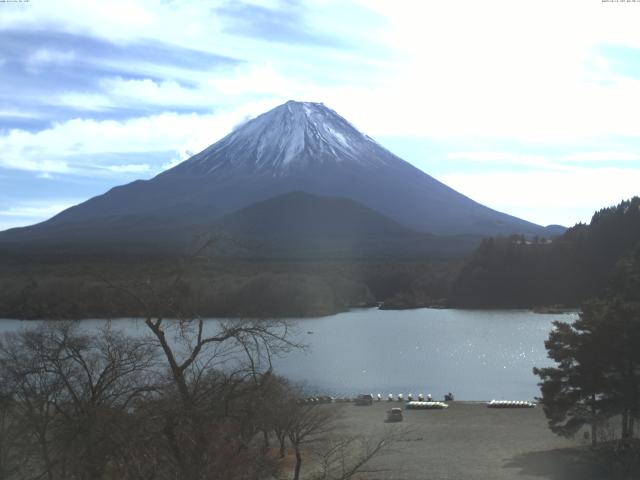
215,375
282,399
216,370
343,457
9,431
309,423
71,394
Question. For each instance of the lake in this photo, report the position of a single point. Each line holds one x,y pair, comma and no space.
477,355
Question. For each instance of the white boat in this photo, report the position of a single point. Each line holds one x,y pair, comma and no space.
426,405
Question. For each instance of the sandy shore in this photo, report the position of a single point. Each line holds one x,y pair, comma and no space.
471,441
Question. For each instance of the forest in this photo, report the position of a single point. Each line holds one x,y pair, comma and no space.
520,272
503,272
82,286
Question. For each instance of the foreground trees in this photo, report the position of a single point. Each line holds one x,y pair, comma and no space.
81,405
596,380
67,401
99,406
597,375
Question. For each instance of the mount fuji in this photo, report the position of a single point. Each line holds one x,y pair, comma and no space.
296,147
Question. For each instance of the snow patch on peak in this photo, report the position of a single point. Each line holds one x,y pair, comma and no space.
307,109
338,136
293,136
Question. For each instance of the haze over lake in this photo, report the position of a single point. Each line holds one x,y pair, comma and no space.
477,355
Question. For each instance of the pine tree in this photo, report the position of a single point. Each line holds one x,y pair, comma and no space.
597,372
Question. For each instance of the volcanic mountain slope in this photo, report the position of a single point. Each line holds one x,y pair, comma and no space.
297,146
302,215
294,224
301,224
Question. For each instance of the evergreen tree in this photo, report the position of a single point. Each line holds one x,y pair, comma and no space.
573,391
597,372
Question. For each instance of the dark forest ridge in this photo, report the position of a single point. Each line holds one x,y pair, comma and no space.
511,272
298,146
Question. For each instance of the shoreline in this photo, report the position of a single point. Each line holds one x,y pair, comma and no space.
566,311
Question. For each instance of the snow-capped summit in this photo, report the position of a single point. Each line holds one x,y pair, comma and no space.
292,136
296,147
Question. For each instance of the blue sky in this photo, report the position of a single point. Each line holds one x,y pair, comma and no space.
528,107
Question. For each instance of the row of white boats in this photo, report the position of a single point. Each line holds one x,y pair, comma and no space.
410,398
373,398
426,405
510,404
421,402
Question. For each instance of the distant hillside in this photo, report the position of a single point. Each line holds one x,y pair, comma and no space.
302,215
299,224
511,272
293,225
125,233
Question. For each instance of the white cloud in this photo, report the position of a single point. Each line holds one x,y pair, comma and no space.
50,150
602,156
231,88
117,18
29,212
261,79
86,101
549,197
43,58
11,112
567,162
508,158
42,209
158,93
503,70
129,168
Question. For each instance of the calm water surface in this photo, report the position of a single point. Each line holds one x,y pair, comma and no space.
477,355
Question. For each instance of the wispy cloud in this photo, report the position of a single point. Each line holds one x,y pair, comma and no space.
41,210
549,196
549,161
602,157
45,58
131,168
86,147
283,22
509,158
79,72
29,212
